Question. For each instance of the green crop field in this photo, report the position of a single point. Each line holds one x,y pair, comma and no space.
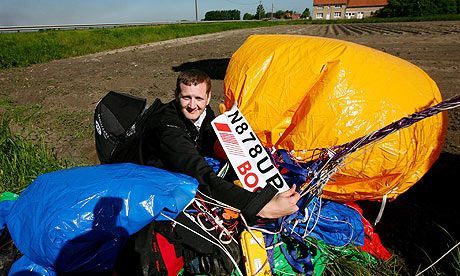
24,49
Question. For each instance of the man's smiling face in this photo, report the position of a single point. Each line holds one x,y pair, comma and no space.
193,100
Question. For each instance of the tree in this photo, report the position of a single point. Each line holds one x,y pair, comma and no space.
279,14
306,13
248,16
402,8
288,14
260,12
447,6
222,15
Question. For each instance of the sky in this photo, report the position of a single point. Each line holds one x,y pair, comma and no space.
56,12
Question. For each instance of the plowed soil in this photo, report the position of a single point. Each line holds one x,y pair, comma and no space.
61,96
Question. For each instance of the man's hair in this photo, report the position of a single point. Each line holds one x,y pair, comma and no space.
193,77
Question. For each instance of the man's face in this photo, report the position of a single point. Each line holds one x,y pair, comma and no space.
193,100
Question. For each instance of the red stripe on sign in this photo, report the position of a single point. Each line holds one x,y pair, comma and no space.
222,127
229,138
238,153
232,149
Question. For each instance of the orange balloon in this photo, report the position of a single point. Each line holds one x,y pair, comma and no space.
302,93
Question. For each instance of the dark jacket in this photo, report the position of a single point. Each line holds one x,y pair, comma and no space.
172,142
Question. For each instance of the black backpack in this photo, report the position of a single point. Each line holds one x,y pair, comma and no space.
119,124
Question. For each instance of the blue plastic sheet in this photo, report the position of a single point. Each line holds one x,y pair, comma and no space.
6,203
214,163
5,208
78,219
25,267
334,223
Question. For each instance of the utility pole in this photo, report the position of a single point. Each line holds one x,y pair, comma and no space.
272,11
260,4
196,11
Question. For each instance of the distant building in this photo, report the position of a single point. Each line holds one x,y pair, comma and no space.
293,15
346,9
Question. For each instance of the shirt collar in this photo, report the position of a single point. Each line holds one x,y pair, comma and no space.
200,120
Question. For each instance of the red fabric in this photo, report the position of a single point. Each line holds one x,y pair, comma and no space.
372,242
219,150
173,263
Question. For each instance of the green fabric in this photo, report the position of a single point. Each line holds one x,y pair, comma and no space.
8,196
323,254
280,264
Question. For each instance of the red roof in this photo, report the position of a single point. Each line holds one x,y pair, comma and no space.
329,2
352,3
366,3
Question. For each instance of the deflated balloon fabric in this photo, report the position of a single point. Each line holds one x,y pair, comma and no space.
77,219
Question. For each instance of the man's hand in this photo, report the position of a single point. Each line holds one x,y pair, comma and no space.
281,205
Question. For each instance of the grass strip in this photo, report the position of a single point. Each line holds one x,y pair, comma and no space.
22,161
24,49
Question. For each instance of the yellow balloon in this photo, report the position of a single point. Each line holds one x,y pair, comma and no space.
303,93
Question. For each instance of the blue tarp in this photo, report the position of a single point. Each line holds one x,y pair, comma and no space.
334,223
77,219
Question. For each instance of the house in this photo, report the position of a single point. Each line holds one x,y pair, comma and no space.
346,9
363,8
295,16
292,15
329,9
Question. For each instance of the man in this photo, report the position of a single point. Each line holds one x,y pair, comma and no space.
179,137
176,139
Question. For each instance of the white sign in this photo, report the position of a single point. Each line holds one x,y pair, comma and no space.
246,154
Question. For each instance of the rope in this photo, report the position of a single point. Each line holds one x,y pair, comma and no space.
209,240
382,207
445,254
330,159
404,122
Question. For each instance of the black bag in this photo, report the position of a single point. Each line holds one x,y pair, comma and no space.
119,122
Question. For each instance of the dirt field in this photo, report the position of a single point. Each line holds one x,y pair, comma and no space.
66,91
61,96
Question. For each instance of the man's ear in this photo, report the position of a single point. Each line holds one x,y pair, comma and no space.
176,96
